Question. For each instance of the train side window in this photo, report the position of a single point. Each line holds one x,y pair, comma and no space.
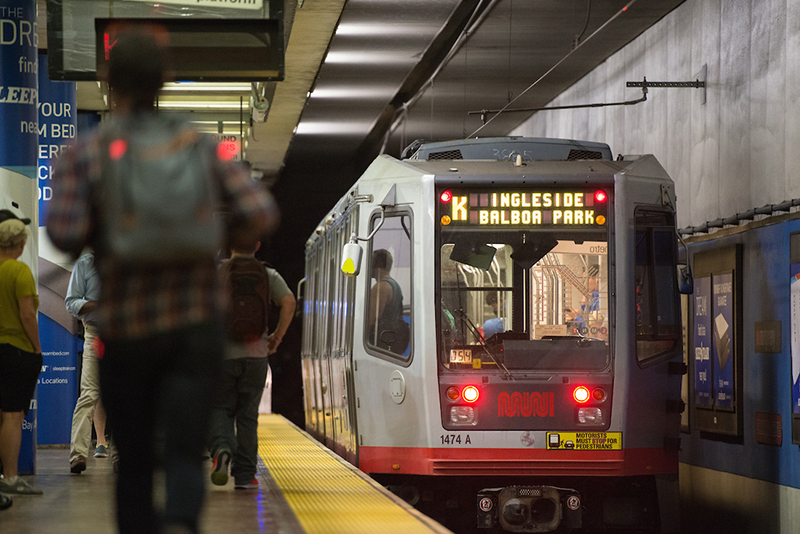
658,327
389,324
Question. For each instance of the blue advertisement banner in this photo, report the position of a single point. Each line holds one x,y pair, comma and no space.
58,382
723,326
19,45
794,288
27,448
57,127
18,84
702,341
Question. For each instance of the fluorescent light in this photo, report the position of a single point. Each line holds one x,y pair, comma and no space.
369,58
206,87
360,92
382,29
333,127
185,104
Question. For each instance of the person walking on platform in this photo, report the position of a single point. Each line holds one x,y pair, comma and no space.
20,350
141,190
81,301
234,416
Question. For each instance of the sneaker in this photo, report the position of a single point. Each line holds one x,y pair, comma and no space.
253,484
219,471
18,487
101,452
5,501
78,465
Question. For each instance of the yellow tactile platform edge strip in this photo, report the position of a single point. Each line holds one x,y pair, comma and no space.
326,494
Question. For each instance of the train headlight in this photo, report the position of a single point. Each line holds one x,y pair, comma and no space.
470,393
600,196
581,394
462,415
590,416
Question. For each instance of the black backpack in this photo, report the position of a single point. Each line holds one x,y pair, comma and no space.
248,309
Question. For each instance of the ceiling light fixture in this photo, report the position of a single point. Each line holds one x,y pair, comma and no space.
353,92
370,58
186,104
333,127
372,30
194,87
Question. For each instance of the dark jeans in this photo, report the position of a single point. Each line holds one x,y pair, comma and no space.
236,400
159,387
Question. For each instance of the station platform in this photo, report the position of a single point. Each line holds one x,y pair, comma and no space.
304,488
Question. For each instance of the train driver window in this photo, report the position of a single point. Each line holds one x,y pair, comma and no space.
658,326
389,298
507,295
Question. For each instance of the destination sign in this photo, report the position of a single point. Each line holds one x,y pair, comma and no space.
523,208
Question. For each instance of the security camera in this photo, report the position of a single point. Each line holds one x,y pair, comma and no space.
258,98
259,104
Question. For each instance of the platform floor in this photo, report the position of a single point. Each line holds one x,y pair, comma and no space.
305,488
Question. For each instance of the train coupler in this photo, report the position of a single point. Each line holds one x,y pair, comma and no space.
529,508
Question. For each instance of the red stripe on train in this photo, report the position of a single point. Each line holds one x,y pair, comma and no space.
541,462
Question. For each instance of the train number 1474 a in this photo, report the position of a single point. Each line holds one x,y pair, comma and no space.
455,439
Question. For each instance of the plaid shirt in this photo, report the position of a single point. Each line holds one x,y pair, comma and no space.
138,302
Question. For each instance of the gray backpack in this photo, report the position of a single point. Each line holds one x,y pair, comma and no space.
156,192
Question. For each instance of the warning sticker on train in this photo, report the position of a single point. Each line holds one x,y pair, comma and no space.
584,441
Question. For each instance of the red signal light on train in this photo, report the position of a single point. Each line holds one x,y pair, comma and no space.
453,393
470,393
581,394
600,196
446,196
598,394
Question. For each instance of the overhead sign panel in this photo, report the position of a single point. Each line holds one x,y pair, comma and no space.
231,4
221,50
212,40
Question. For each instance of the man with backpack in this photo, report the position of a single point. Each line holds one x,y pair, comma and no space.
142,191
251,286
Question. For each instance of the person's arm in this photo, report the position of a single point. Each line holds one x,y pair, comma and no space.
287,304
69,215
27,314
75,301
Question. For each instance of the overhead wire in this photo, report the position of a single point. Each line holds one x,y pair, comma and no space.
562,60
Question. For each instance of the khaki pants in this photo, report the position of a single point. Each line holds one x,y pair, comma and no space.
87,400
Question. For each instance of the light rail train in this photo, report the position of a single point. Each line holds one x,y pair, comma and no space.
534,384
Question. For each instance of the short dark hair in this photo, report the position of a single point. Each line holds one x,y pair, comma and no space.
382,259
137,65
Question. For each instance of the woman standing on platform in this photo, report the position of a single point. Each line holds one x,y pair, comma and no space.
20,351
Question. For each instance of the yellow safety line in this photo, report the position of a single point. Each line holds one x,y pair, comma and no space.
326,495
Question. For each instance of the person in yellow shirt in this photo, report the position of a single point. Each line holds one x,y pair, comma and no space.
20,351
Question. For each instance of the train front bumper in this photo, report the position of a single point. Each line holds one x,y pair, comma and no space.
529,508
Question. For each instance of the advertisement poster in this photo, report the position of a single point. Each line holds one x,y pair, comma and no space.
795,333
722,325
19,44
58,112
702,341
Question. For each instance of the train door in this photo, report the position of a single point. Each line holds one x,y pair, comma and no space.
310,334
339,435
649,325
349,435
328,292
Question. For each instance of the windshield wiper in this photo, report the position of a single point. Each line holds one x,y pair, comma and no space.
474,329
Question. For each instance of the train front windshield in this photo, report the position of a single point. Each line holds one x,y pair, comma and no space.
520,300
